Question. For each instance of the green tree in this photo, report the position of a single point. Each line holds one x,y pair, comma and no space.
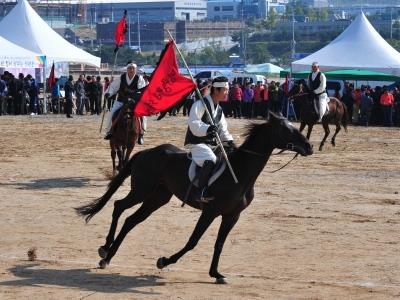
272,19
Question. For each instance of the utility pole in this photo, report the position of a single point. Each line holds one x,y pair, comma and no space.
138,29
391,23
293,40
129,32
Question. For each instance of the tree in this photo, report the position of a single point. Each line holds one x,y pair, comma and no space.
272,19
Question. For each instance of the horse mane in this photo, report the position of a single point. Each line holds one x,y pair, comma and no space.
253,129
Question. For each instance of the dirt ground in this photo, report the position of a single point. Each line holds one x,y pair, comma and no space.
325,227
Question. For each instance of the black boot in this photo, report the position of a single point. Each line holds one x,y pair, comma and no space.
108,135
203,177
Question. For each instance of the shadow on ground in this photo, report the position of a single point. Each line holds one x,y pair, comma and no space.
81,279
50,183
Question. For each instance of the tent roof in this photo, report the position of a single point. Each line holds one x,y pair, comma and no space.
24,27
266,68
14,56
347,75
358,47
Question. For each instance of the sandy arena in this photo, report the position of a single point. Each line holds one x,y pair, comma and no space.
325,227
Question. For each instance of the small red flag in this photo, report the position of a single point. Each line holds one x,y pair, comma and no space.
52,77
120,31
166,87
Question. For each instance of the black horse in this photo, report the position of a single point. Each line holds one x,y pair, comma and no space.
160,172
304,101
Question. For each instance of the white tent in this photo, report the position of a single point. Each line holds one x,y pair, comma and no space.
266,68
24,27
358,47
14,56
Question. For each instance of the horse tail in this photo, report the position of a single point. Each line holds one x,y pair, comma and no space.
344,117
89,210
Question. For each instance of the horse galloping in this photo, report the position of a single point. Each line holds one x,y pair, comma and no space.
162,171
126,128
304,100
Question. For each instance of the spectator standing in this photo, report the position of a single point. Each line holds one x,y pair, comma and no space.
69,89
348,100
365,107
273,97
99,94
387,102
236,100
376,114
3,95
79,89
356,106
55,96
258,91
248,95
33,93
397,106
265,101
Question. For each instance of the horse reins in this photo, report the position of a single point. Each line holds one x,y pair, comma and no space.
289,146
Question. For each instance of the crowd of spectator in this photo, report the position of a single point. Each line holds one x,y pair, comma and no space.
372,106
21,95
366,105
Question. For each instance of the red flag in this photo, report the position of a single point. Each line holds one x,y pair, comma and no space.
120,31
52,78
166,87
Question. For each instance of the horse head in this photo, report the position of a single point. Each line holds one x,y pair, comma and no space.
285,136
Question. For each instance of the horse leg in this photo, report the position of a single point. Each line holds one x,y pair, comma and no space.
113,159
161,197
119,154
302,126
119,207
226,225
309,129
206,218
336,132
327,131
128,153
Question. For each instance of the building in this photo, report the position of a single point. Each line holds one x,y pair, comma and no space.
103,11
243,9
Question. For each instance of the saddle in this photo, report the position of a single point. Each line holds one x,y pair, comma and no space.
215,174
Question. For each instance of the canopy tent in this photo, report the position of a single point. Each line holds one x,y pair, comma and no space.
24,27
266,68
358,47
347,75
14,56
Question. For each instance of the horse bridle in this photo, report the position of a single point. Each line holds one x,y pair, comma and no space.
289,146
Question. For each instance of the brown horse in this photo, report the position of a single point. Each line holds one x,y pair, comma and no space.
304,101
126,128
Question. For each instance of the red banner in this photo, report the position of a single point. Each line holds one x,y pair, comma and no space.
166,87
120,31
52,77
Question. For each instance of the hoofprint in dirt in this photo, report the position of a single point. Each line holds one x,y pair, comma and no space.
327,226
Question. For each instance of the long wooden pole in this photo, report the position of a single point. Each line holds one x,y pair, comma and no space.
105,100
207,112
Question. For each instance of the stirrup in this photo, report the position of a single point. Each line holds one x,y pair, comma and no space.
205,198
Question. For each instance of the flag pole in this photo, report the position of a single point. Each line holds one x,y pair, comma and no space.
206,110
105,100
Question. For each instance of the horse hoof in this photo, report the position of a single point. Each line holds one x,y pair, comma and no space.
102,252
103,264
161,263
221,280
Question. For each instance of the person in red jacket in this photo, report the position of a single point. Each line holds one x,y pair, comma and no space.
258,94
387,101
236,100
